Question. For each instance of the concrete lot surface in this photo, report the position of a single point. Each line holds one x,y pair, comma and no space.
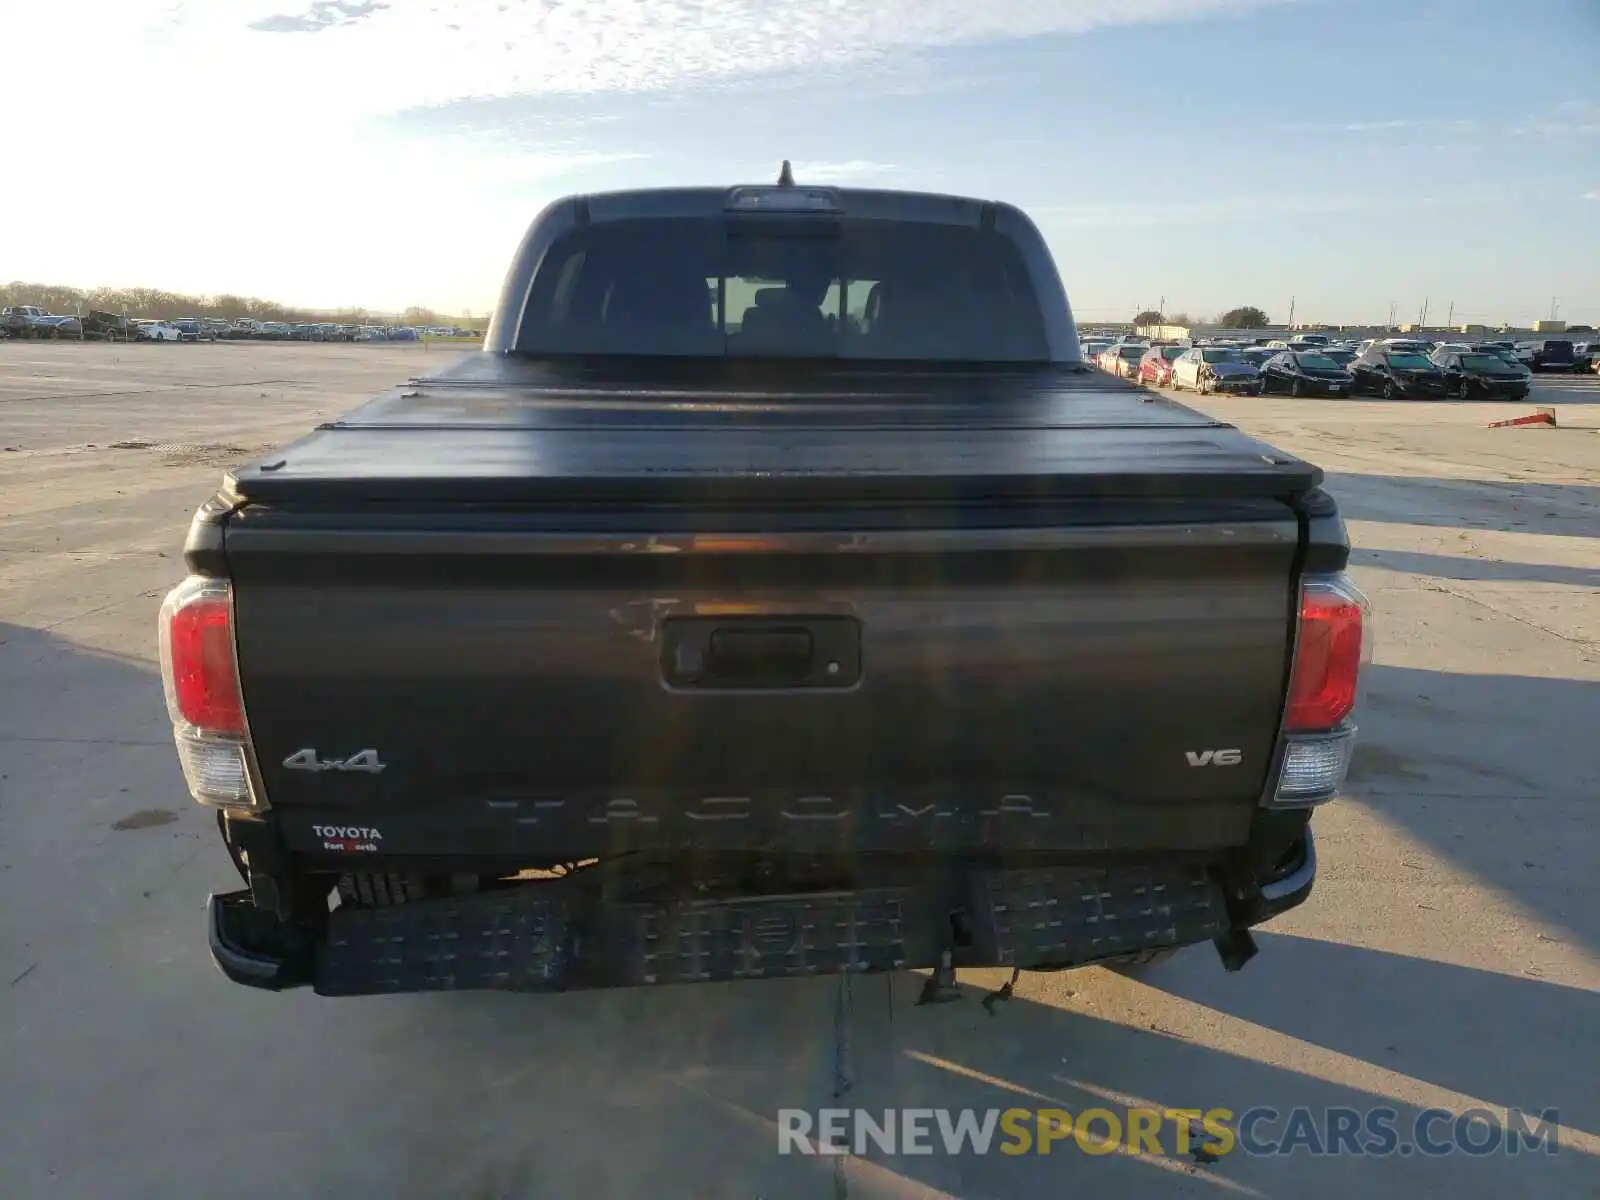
1449,957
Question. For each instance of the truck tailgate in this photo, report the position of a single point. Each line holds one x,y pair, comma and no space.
1092,659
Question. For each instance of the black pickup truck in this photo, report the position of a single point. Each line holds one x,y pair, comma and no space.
776,593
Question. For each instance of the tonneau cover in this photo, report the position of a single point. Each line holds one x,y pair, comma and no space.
495,428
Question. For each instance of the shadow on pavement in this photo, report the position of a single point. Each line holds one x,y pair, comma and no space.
1506,1039
92,802
1498,774
726,1059
1561,508
1465,567
52,690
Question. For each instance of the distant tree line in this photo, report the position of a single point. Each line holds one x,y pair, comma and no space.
155,304
1249,317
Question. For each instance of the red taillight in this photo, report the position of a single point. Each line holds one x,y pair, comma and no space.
197,658
1328,651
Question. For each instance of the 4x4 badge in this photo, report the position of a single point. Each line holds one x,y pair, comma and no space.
362,760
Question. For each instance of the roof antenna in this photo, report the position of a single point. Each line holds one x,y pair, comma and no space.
786,176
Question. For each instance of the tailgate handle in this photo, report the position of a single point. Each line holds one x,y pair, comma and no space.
773,653
772,650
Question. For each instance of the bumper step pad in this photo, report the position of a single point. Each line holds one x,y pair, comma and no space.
767,939
504,941
556,938
1063,916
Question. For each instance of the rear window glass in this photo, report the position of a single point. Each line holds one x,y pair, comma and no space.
802,288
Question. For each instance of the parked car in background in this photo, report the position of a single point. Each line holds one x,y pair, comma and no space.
1215,369
1304,373
159,331
1501,350
1092,349
22,319
1309,340
109,327
1255,355
1122,360
1155,368
215,327
1396,374
65,327
245,327
402,333
1340,354
1505,351
1413,345
190,329
1470,376
1548,354
30,321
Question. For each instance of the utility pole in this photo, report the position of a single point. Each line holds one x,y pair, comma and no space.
1392,306
1291,312
1450,321
1552,308
1422,313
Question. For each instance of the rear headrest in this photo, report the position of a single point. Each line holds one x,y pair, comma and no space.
772,297
873,308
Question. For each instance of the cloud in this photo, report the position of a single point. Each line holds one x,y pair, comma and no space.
321,92
377,57
1235,209
1393,125
1594,195
1573,118
321,15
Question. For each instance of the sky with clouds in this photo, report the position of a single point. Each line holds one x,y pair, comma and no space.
1348,154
